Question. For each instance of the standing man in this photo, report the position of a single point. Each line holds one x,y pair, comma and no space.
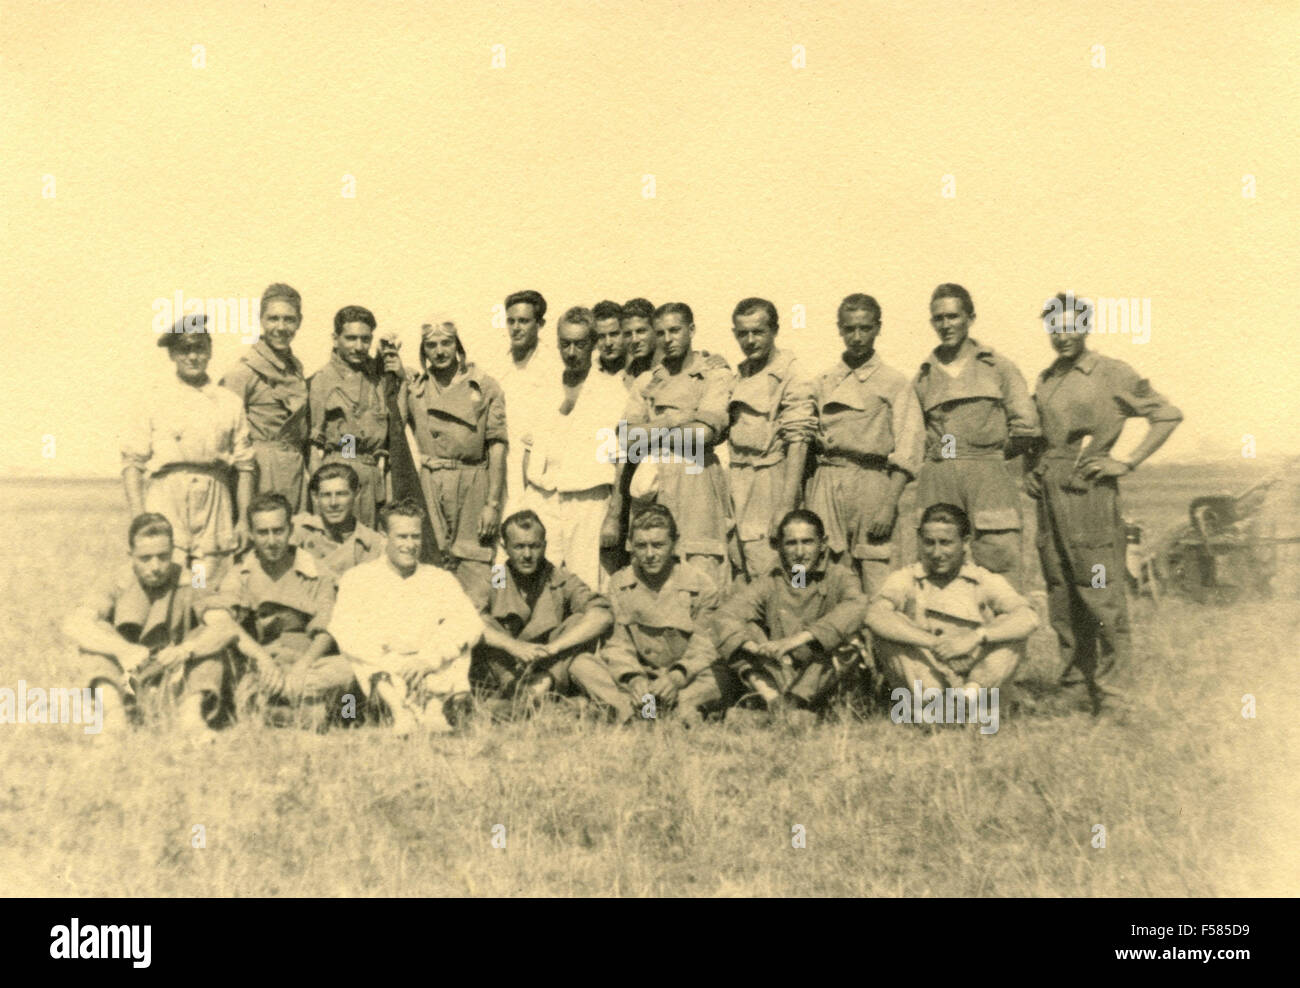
407,628
662,646
529,379
269,381
281,599
613,341
790,632
869,440
189,436
771,419
569,473
536,621
978,414
678,412
947,622
458,416
143,630
333,534
644,353
1084,400
349,417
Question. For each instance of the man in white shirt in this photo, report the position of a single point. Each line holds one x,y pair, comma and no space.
408,628
528,380
569,463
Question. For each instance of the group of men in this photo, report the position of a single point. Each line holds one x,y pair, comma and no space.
677,534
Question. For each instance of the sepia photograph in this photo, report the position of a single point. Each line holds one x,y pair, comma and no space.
650,450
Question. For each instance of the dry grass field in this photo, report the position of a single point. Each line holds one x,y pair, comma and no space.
1195,799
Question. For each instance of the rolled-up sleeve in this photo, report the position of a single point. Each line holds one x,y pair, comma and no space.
495,431
712,410
137,439
796,416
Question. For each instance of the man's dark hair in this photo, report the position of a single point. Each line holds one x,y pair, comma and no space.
1061,303
270,501
525,520
607,310
578,315
857,302
799,514
654,516
747,306
280,292
676,309
333,471
352,313
149,523
948,513
949,290
529,297
407,507
638,308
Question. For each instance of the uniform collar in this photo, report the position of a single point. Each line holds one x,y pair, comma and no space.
968,572
970,346
303,562
261,350
861,373
1085,364
682,576
776,367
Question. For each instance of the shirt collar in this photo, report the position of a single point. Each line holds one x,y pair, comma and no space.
969,346
967,572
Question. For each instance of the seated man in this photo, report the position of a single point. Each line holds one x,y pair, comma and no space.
789,633
334,534
662,644
944,621
143,629
537,617
281,598
407,627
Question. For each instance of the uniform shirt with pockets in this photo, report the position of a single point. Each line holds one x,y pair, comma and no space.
459,421
506,608
301,600
274,393
657,630
981,407
347,401
869,411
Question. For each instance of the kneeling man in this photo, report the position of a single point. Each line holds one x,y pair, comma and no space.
142,629
537,617
790,633
407,628
945,622
662,644
281,598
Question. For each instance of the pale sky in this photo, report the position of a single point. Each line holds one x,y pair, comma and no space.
798,184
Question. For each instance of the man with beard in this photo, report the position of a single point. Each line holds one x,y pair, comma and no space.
349,416
790,633
537,616
333,534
